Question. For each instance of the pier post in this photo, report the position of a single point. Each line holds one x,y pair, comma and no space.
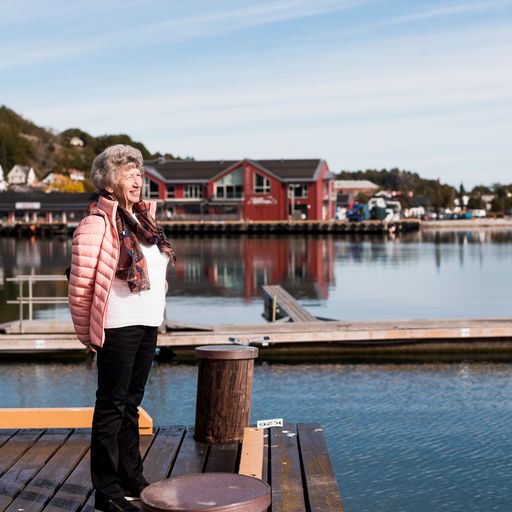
224,389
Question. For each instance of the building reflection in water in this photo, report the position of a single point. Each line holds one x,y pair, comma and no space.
239,266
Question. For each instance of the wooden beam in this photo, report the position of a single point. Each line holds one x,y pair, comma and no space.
251,460
57,417
466,334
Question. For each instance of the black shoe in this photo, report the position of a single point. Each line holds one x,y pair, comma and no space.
133,493
122,504
104,504
101,503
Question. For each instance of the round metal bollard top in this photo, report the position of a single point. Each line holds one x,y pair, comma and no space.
207,492
226,352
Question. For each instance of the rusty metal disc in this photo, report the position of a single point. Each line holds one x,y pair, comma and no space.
207,492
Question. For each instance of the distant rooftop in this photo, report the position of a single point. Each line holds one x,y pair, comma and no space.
48,201
205,170
354,184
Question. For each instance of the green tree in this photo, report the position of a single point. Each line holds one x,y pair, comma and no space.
501,203
476,203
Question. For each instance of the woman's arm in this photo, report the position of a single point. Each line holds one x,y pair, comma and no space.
86,246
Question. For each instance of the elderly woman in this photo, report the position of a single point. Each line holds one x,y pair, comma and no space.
117,299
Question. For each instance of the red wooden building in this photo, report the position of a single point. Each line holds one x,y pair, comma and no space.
244,189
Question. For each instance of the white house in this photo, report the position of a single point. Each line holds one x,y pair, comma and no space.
51,178
31,176
347,190
3,183
77,142
21,175
76,175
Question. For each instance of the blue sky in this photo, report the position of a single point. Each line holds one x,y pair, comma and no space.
421,85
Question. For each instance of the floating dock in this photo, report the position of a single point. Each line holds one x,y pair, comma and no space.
398,340
47,470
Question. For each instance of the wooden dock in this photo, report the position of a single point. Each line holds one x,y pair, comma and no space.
490,338
48,469
219,227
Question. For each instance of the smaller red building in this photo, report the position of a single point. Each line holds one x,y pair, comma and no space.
242,190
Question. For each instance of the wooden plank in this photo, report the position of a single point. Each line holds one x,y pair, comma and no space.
251,458
266,456
175,325
60,417
323,494
20,473
191,456
42,487
222,457
15,446
145,444
163,451
285,471
287,303
463,335
74,492
6,434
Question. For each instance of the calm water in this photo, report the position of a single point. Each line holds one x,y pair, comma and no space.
423,275
401,437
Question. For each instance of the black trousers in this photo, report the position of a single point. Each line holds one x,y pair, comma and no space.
124,362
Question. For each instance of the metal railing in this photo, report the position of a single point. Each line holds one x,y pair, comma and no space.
32,299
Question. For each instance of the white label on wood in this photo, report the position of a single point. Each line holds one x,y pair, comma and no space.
465,332
40,343
246,340
278,422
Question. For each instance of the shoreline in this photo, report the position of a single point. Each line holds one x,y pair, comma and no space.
466,223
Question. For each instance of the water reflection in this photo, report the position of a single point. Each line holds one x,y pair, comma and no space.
240,266
417,275
477,236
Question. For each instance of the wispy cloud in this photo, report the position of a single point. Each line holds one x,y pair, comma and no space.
432,97
255,14
176,29
446,11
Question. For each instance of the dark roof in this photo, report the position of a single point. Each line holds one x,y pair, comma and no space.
55,200
421,201
193,170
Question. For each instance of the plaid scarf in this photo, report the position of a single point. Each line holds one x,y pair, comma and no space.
132,265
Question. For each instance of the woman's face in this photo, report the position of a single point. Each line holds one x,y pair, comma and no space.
128,186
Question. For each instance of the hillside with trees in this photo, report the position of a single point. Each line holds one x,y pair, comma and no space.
23,142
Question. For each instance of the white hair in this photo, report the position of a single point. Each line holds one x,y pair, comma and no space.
109,161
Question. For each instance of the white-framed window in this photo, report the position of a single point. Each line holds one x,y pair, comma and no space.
193,191
230,186
171,191
298,190
261,184
150,190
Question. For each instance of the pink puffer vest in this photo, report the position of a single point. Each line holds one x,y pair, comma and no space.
94,256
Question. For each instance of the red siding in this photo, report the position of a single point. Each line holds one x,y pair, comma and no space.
275,205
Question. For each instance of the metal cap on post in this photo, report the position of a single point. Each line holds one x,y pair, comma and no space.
203,492
224,389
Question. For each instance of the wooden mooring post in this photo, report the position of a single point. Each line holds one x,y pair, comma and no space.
224,388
